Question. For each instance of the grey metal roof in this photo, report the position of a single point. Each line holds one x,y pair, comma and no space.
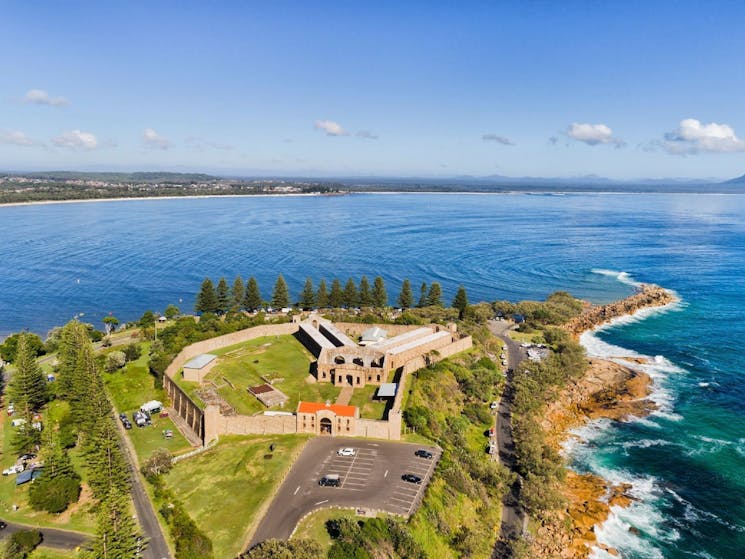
200,361
387,390
373,334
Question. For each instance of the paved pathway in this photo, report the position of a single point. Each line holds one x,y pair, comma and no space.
513,517
345,395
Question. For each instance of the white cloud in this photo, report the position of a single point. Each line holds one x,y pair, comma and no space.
367,135
41,97
154,140
593,134
498,139
330,127
693,136
76,139
15,137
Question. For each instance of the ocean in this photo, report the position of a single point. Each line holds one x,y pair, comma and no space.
686,461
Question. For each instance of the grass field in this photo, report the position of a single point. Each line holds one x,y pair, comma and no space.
363,399
280,358
51,553
225,488
526,337
131,387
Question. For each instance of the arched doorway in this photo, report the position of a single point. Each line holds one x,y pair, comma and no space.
325,425
350,380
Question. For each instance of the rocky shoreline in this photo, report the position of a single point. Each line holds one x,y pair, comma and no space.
607,390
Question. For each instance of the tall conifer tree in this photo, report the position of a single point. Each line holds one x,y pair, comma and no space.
336,297
350,297
379,294
281,295
207,298
322,296
434,297
365,297
422,296
461,301
252,301
307,296
406,298
223,296
238,293
116,533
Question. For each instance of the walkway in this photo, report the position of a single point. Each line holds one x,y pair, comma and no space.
513,517
345,395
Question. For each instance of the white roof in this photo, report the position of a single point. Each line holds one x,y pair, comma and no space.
200,361
373,334
421,341
387,390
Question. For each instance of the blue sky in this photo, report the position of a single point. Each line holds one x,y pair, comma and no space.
618,89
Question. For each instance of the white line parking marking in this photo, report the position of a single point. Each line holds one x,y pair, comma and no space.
296,490
321,502
385,474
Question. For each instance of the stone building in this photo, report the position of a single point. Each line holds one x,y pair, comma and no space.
327,419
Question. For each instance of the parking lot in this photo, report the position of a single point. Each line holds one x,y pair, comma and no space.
370,479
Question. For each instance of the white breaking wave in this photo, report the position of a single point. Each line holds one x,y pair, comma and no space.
623,277
643,514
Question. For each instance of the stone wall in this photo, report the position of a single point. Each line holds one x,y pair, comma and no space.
189,412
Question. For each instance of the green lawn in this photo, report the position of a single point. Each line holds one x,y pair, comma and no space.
131,387
52,553
77,517
526,337
280,358
363,399
225,488
313,526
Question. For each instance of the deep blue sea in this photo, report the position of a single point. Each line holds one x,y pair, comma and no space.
686,461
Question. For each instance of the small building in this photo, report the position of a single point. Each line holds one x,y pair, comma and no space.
518,318
327,419
197,368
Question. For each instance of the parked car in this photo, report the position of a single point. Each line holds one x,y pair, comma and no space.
3,525
494,405
330,480
123,416
16,469
412,478
127,424
345,452
421,453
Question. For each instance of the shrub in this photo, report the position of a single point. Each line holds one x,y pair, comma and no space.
115,361
54,495
132,352
22,543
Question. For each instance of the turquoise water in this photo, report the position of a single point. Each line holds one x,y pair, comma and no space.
686,461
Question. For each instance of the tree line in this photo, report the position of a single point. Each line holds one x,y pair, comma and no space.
223,298
87,422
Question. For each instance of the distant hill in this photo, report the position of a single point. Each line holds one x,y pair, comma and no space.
139,177
737,180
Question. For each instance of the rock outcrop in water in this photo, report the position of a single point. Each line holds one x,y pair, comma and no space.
648,295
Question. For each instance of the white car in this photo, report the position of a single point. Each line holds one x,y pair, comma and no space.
494,405
345,452
13,470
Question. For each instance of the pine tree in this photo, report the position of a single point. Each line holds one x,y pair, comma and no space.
322,296
116,533
60,485
27,386
308,296
350,297
379,294
238,293
336,297
281,295
223,296
252,300
461,301
406,298
422,296
207,298
434,297
365,297
107,467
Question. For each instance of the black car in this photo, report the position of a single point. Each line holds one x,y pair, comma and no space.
411,478
331,480
423,454
3,525
127,424
123,417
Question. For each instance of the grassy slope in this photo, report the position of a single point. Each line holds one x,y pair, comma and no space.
277,357
363,399
224,488
131,387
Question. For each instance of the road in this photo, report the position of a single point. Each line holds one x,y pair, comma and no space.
513,517
157,548
51,537
371,479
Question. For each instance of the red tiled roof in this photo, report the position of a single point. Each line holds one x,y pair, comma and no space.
313,407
